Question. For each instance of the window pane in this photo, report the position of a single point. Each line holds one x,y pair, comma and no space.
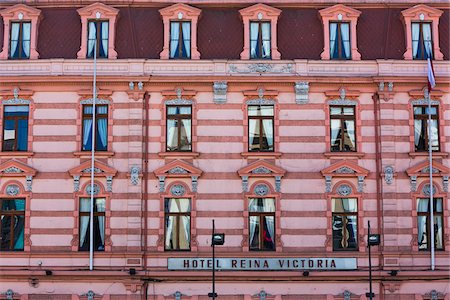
18,230
267,138
438,205
6,232
337,231
253,134
99,204
254,229
434,135
172,135
178,205
336,134
185,135
349,135
422,236
348,111
261,205
438,232
345,232
17,109
269,233
345,205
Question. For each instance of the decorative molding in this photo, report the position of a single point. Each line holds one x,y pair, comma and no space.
177,190
109,180
262,295
178,170
96,190
328,184
343,102
389,174
12,169
90,295
261,170
301,89
89,170
194,182
261,189
98,101
134,175
245,184
426,190
344,170
16,101
76,183
178,101
445,183
262,68
360,187
260,101
278,184
10,295
29,183
344,190
425,102
162,185
220,89
426,170
177,295
434,295
413,183
347,295
12,190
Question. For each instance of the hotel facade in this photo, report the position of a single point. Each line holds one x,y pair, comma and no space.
291,124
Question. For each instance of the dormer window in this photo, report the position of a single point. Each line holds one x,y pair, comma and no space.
421,32
98,39
259,40
20,28
340,40
180,39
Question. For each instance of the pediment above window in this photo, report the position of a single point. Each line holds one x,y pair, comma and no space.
265,10
261,169
333,12
174,10
415,11
91,10
421,173
177,169
344,169
15,169
83,173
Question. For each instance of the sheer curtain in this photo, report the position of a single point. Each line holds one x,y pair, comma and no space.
102,127
422,206
100,204
335,129
174,38
84,220
252,207
26,34
254,30
265,28
87,129
186,27
268,132
169,223
91,38
345,32
15,27
269,206
333,40
417,132
415,29
187,128
104,39
350,126
185,224
252,132
426,32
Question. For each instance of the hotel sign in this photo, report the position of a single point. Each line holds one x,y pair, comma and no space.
257,264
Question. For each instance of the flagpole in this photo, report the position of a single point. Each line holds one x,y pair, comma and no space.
91,216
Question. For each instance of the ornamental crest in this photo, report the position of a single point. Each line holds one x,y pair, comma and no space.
177,190
344,190
261,189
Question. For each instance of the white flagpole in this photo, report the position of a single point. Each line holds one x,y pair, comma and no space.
91,216
430,158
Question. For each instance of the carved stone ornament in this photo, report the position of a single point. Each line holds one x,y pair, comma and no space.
96,190
390,86
278,184
262,295
327,184
342,93
344,102
426,170
220,89
15,101
261,189
347,295
12,169
177,295
131,85
445,183
134,175
426,190
12,190
162,184
29,182
301,92
178,170
262,68
9,294
413,183
424,102
245,184
90,295
389,174
260,101
177,190
344,190
360,184
89,170
434,295
179,101
109,183
76,183
344,170
97,101
194,181
261,170
381,86
75,240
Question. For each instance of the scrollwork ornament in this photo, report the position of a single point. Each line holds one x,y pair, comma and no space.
278,184
134,175
95,191
327,184
177,170
445,183
29,182
12,169
245,184
261,170
389,174
109,180
413,183
76,183
345,170
177,190
90,101
344,190
426,190
12,190
347,295
261,189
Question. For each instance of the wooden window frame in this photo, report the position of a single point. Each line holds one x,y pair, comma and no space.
98,24
20,40
87,214
424,118
261,118
15,118
181,38
422,45
339,43
98,116
178,216
12,214
179,118
428,220
260,38
344,215
262,216
343,118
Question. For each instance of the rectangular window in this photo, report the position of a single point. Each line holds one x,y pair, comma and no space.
340,40
177,223
342,127
101,128
99,224
260,127
15,128
180,40
345,223
98,37
260,40
19,44
179,128
422,42
424,223
12,225
421,128
261,223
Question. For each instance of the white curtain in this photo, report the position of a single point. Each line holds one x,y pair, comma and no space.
434,134
172,134
174,37
104,37
422,206
335,129
26,34
426,33
415,28
417,131
186,27
187,128
169,223
91,39
350,126
268,131
254,29
252,128
269,206
14,38
102,125
87,132
349,205
252,220
265,28
345,32
100,203
185,223
84,221
333,39
438,232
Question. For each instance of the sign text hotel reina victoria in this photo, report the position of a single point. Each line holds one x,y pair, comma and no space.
250,264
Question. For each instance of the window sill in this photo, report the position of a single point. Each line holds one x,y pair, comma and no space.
181,155
261,154
16,153
344,154
423,154
85,154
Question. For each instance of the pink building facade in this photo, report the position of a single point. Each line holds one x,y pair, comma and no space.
291,124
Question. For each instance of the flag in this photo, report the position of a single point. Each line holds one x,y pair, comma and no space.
431,79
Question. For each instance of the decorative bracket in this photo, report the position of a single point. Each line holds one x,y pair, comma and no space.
220,89
301,92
